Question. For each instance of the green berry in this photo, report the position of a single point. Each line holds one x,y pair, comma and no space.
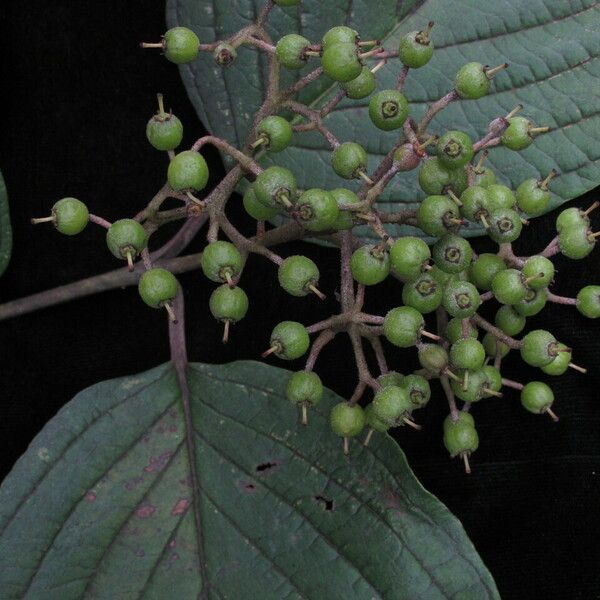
483,269
493,379
505,225
257,210
418,390
221,261
424,294
297,275
536,397
362,86
588,301
475,388
126,237
391,403
157,287
475,204
188,171
228,304
455,149
462,417
408,255
349,160
290,51
345,218
508,286
347,420
517,136
500,196
460,439
276,133
341,63
539,348
452,253
289,340
304,387
561,362
471,81
388,110
484,177
533,197
415,49
493,346
390,378
509,320
454,330
402,326
275,187
533,303
576,242
317,210
339,35
572,217
373,422
438,215
539,271
434,177
181,45
461,299
164,131
370,264
70,216
467,353
433,358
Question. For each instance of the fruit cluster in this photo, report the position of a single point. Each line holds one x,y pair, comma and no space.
447,279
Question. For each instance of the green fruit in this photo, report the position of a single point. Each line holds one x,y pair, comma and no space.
388,110
408,255
533,303
484,177
347,420
289,340
588,301
339,35
164,131
297,274
517,136
452,253
434,177
373,422
454,330
475,203
221,261
391,403
349,160
509,320
467,353
505,225
415,49
362,86
228,304
317,210
433,358
340,62
438,215
257,210
493,346
460,439
461,299
539,348
290,51
576,242
424,294
533,197
493,379
157,287
475,388
70,216
345,218
370,264
275,187
188,171
126,237
402,326
572,217
390,378
540,272
276,133
455,149
508,286
471,81
483,269
499,196
536,397
418,390
304,387
181,45
462,417
561,362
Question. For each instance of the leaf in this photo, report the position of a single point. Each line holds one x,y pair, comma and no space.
553,49
102,504
5,228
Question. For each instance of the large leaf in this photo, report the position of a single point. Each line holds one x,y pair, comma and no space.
553,49
5,228
103,504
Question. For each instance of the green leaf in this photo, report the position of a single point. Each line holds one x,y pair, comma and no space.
5,228
103,504
553,49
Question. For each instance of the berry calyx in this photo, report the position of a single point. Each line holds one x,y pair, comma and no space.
164,130
291,51
588,301
424,293
317,210
418,388
537,398
341,62
347,420
224,54
275,187
228,305
221,261
504,225
455,149
408,257
304,389
416,48
125,239
188,171
370,264
274,134
388,110
452,253
69,216
461,299
349,160
158,288
299,276
289,340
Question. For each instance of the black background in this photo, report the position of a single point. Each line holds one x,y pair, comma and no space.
76,94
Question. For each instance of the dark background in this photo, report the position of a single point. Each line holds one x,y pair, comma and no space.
77,93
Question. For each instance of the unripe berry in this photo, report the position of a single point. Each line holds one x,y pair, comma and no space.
362,86
164,130
228,305
455,149
349,160
520,133
373,422
416,48
509,320
391,404
388,110
452,253
69,215
402,326
460,439
433,358
424,293
370,264
275,133
537,397
493,346
181,45
467,353
298,275
454,330
157,287
483,269
588,301
340,62
408,256
508,286
289,340
539,271
347,420
304,387
505,225
345,218
436,179
221,261
418,390
257,210
576,242
438,215
471,81
539,348
275,187
339,35
499,196
126,238
461,299
188,171
290,51
533,196
317,210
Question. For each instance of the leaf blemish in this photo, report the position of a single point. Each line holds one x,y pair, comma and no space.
145,511
267,466
325,502
157,463
90,496
180,506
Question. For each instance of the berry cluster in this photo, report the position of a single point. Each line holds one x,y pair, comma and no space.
447,279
